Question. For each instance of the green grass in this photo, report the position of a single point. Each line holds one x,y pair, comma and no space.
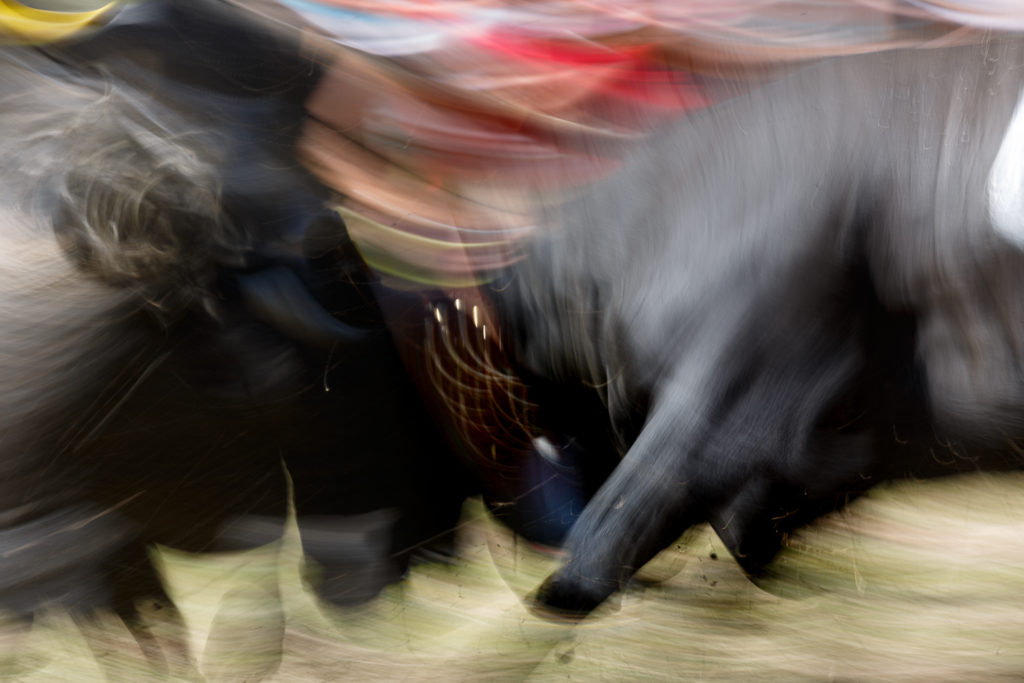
916,582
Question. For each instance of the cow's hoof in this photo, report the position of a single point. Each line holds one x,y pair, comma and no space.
349,557
569,599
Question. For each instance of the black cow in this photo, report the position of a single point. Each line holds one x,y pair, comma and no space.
783,298
180,317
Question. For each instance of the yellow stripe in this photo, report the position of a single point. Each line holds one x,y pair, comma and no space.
22,24
382,247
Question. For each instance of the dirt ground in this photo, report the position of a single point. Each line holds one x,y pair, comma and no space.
920,581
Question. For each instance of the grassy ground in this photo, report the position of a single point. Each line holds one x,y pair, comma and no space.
917,582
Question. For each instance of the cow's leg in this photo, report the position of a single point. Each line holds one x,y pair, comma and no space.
663,486
815,462
652,496
648,502
728,439
747,526
753,524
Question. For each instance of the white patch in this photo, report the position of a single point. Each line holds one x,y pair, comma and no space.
1006,181
547,450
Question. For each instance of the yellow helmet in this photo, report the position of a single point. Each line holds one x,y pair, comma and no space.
43,21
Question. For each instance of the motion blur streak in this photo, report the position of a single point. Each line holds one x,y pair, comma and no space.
760,293
645,266
183,320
